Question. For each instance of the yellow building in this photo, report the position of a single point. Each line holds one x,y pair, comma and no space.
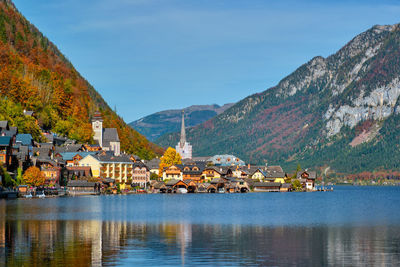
173,172
105,165
258,175
271,174
279,180
212,172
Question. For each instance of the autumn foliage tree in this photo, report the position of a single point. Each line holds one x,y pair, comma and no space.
169,158
35,75
33,176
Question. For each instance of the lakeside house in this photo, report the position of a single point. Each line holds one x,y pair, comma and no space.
307,179
266,187
140,174
83,187
173,172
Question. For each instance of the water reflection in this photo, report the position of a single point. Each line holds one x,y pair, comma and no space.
96,243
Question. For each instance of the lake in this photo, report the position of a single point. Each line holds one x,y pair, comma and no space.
351,226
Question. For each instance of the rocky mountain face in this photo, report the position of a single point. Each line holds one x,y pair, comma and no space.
35,75
339,113
169,121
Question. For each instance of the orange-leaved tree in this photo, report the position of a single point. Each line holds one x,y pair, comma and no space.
33,176
169,158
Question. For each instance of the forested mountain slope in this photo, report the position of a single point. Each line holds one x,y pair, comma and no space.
169,121
35,75
340,112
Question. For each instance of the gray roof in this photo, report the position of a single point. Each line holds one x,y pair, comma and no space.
159,185
217,181
41,150
110,135
13,130
220,169
202,159
8,133
23,149
274,174
49,137
266,184
311,174
108,157
153,164
28,112
172,182
47,160
46,145
140,165
4,124
22,152
73,147
276,168
286,185
81,183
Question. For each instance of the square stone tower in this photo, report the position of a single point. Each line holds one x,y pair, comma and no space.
97,125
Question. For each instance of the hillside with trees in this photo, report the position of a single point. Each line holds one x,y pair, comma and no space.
169,121
35,75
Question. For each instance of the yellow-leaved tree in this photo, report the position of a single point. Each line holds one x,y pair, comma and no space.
33,176
169,158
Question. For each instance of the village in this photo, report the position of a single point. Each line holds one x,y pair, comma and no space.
66,167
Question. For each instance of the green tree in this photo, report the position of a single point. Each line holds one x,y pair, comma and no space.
298,168
20,180
153,176
8,181
297,185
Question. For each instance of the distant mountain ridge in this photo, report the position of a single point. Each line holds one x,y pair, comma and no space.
169,121
340,113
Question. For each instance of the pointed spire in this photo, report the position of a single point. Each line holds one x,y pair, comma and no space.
183,133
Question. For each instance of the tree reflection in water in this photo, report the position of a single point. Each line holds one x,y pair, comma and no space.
96,243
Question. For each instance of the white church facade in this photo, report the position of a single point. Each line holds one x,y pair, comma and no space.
107,138
184,148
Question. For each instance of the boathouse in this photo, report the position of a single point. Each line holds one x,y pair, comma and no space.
266,187
83,187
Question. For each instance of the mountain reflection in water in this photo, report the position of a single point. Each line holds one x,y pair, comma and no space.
353,226
96,243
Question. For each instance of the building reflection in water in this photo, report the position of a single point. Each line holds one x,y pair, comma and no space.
26,242
97,243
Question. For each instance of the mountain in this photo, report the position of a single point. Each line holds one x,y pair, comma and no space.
35,75
169,121
339,113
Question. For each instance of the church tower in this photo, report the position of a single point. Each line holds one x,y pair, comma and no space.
183,147
97,125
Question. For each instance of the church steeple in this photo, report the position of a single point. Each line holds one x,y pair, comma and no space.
183,147
183,132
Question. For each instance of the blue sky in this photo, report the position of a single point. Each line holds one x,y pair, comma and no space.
145,56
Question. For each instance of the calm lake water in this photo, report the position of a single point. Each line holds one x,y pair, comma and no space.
352,226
